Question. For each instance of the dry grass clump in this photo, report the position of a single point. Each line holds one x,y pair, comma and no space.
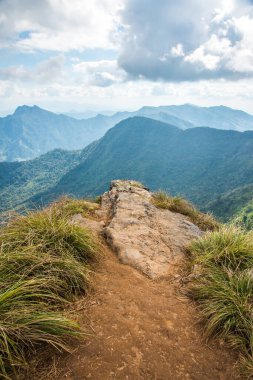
68,207
136,184
223,287
177,204
45,262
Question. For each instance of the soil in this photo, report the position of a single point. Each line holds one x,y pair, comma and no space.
141,329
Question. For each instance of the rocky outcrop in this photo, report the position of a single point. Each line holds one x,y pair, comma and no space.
150,239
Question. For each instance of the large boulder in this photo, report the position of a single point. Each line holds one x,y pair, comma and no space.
149,239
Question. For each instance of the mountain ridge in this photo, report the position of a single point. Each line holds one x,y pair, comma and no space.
32,131
198,163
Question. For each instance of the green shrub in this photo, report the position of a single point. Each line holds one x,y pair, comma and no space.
177,204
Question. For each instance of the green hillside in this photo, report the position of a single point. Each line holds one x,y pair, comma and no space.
227,205
244,217
19,181
200,164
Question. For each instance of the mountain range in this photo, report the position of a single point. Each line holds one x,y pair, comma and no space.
31,131
201,164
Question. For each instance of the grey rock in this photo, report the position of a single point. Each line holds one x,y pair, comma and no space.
149,239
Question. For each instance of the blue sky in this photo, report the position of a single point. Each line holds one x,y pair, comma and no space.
123,54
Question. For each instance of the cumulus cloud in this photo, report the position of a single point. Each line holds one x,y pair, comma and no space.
102,73
187,40
58,70
59,25
46,71
123,51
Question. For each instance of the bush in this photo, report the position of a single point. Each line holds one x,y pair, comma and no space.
223,287
177,204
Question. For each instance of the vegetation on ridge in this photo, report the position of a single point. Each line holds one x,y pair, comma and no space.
244,217
222,285
136,184
45,262
177,204
199,163
68,207
228,205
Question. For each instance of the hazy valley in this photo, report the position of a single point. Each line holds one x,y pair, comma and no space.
211,167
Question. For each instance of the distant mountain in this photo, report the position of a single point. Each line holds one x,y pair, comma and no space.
86,114
198,163
32,131
219,117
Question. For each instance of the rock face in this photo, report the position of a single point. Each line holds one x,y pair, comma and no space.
150,239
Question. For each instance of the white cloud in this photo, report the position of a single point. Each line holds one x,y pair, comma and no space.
100,73
169,52
59,25
188,40
45,71
177,51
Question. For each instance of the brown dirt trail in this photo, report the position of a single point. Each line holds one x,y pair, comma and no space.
143,329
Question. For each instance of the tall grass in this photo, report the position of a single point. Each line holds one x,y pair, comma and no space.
223,287
65,276
44,262
48,231
229,247
177,204
26,321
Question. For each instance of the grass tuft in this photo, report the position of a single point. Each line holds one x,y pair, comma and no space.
229,247
45,262
136,184
223,287
27,321
177,204
64,276
48,231
69,207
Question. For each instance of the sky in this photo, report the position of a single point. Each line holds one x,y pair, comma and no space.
114,55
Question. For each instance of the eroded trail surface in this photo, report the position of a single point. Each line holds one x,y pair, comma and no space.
142,327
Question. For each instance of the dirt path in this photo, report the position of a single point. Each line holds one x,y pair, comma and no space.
143,329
